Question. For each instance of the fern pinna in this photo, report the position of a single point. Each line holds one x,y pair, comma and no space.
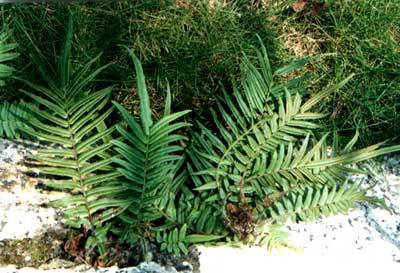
11,114
263,160
71,117
7,53
13,118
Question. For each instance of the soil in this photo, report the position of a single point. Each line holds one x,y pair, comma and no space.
49,252
179,262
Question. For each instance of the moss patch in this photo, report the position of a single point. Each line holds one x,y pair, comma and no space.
33,252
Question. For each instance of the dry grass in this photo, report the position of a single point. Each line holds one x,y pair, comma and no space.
299,43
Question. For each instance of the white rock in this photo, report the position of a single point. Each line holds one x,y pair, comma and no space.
258,260
22,214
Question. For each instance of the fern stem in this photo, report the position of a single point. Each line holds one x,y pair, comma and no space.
233,145
78,169
145,166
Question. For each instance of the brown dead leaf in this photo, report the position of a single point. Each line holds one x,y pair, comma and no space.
339,107
100,261
318,7
73,245
299,5
231,208
240,219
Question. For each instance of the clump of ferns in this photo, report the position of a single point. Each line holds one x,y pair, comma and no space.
123,183
264,162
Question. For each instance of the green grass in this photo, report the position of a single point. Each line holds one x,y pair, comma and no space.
364,38
192,46
198,48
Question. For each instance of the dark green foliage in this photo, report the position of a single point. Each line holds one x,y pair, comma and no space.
13,119
193,46
10,113
196,46
7,53
261,162
148,158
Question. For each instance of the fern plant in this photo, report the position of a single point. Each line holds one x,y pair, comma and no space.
66,114
264,161
150,160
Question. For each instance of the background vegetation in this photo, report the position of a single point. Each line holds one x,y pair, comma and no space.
197,47
362,37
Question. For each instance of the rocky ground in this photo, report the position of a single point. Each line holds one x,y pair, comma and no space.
23,213
365,240
367,228
32,235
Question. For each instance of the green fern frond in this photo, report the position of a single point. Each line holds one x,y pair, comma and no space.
173,241
275,237
177,240
67,115
78,163
11,114
13,118
148,156
6,54
264,148
311,203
